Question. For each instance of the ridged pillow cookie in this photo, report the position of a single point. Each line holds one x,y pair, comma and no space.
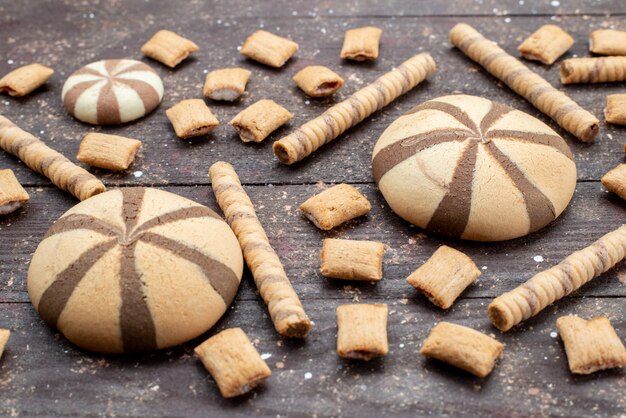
135,269
470,168
110,92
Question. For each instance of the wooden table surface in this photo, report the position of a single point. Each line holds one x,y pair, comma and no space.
41,374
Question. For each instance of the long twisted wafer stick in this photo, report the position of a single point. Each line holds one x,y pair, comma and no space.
44,160
563,110
342,116
593,70
543,289
269,275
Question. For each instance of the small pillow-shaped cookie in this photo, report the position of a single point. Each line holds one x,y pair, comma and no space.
591,345
607,42
111,92
168,48
470,168
318,81
269,49
12,194
26,79
135,269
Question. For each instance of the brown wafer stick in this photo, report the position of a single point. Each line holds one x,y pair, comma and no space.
344,115
545,288
528,84
44,160
269,275
593,70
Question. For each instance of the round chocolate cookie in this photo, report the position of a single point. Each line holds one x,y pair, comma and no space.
470,168
135,269
111,92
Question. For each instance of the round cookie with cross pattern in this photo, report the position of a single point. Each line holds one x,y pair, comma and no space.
467,167
110,92
135,269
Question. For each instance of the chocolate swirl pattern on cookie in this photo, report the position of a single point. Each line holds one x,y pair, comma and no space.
111,92
158,273
452,150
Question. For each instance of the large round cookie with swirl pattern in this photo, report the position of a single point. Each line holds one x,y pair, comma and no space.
467,167
135,269
111,92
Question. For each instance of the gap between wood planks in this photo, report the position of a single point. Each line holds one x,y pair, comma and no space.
208,183
380,297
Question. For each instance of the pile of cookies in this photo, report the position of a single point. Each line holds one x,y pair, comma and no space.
437,154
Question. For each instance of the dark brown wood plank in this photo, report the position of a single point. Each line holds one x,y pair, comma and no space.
41,374
504,265
312,9
166,159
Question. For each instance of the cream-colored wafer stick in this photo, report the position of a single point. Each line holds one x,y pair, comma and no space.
44,160
563,110
233,362
615,181
593,70
590,345
4,338
545,288
269,275
342,116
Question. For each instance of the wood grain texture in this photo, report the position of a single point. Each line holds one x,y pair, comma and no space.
531,379
298,242
166,159
41,374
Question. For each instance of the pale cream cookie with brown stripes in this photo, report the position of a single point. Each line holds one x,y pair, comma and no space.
470,168
110,92
135,269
